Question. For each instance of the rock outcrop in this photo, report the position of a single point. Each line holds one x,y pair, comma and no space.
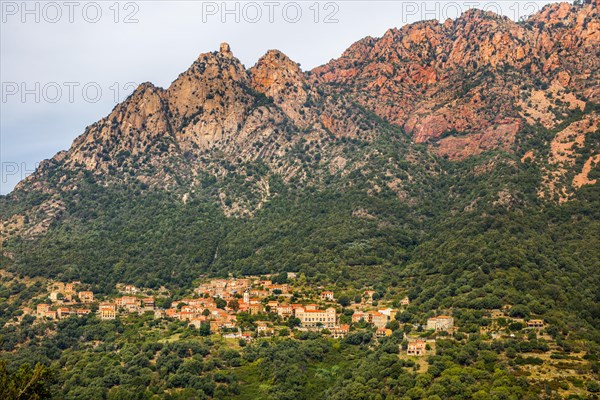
462,87
468,85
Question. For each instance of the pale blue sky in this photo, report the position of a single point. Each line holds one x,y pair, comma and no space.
66,51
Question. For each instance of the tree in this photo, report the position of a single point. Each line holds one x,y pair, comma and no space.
205,329
404,316
284,332
393,325
25,383
280,278
293,322
344,301
164,302
234,304
519,311
220,303
516,326
358,338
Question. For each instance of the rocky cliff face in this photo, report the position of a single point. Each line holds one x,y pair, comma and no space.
216,105
467,86
215,118
462,87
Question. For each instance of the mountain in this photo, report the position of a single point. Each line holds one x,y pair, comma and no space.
216,118
454,156
469,85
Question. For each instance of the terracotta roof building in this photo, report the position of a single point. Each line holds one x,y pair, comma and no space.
416,348
317,318
327,295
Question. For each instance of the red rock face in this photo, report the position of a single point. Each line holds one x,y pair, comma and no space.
464,87
215,105
467,85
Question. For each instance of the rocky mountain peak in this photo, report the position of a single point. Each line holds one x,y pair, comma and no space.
462,87
225,49
278,77
469,85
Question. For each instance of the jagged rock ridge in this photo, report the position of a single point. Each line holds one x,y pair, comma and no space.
463,87
469,85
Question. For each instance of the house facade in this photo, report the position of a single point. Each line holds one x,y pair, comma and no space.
327,296
86,296
108,311
416,348
440,323
317,318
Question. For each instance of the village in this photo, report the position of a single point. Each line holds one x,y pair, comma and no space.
251,307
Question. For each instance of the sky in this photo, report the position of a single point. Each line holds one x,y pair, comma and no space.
65,64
